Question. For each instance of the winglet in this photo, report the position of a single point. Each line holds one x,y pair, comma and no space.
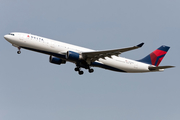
140,45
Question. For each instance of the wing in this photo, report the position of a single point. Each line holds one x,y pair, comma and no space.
93,56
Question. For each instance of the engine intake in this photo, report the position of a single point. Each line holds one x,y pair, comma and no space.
56,60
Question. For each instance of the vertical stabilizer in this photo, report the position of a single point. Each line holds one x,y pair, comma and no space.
156,57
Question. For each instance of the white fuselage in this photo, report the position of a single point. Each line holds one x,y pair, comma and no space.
51,47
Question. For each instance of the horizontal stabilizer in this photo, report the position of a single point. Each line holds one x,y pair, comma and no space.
159,67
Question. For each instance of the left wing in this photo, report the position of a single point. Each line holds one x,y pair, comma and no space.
93,56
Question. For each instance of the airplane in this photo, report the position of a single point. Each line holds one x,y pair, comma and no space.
60,53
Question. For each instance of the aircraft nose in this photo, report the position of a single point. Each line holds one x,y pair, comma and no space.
6,37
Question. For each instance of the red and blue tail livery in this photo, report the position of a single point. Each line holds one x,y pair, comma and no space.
156,56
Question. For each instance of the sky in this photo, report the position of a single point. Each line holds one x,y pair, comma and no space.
31,88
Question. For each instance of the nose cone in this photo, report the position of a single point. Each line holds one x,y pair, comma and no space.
6,37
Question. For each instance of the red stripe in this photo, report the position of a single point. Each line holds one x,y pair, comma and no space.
153,58
159,61
159,52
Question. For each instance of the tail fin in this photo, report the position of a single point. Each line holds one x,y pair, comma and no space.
156,57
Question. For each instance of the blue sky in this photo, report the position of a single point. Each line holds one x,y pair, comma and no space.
33,88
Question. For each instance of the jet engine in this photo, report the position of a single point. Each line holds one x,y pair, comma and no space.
73,56
56,60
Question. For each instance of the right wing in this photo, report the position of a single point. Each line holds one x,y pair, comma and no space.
95,55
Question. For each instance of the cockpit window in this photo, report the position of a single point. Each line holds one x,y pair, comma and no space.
11,34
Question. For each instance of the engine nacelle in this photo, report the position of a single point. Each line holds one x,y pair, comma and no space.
73,56
56,60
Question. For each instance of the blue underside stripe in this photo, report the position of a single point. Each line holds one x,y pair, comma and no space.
95,64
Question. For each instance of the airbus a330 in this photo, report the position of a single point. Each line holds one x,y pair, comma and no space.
60,53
